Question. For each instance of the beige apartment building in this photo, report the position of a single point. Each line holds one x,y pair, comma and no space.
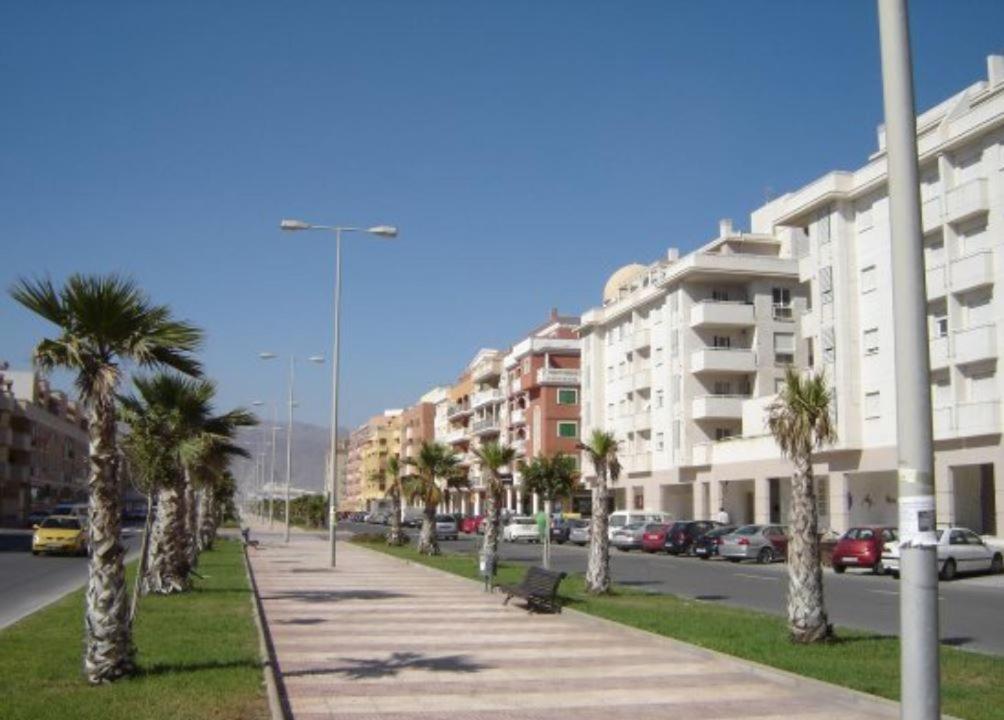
43,446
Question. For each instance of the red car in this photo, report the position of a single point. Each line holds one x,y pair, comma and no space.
654,538
471,523
862,547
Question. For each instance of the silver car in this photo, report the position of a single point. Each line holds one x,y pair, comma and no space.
629,536
446,527
579,533
763,543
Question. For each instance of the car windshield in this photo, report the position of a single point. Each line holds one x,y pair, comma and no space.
718,532
748,530
634,526
580,523
61,523
859,534
445,518
618,521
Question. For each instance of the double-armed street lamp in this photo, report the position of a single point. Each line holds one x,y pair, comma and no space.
289,430
384,231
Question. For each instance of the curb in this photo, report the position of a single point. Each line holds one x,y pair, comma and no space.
786,677
278,703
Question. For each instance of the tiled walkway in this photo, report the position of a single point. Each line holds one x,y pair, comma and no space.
379,638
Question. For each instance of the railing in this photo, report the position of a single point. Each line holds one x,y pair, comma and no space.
724,359
455,436
971,344
970,418
783,312
487,368
487,424
483,397
722,313
718,406
972,271
558,376
457,409
966,200
641,338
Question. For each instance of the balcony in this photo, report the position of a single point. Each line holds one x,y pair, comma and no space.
977,418
930,214
934,281
484,397
968,199
517,417
558,376
711,407
972,271
455,436
641,339
942,422
458,410
516,385
487,426
643,421
939,352
640,462
713,313
486,369
642,379
974,344
712,359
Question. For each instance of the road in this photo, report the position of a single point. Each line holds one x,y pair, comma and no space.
29,582
972,608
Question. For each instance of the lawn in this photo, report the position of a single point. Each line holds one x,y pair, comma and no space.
197,656
972,686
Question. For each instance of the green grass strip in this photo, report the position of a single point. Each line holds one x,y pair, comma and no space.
972,685
197,656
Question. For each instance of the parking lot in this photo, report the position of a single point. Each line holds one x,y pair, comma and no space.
970,606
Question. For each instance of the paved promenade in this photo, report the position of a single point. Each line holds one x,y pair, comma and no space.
380,638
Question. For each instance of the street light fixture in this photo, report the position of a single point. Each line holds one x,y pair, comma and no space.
384,231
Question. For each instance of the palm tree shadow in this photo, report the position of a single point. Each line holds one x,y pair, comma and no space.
369,668
158,669
326,596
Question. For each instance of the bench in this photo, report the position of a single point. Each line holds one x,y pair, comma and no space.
539,588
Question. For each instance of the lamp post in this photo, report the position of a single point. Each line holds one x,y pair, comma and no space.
289,430
384,231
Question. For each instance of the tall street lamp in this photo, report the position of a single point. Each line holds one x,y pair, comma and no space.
289,431
384,231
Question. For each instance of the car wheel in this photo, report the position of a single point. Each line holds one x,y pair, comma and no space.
839,569
997,564
733,560
34,552
704,557
765,556
948,570
894,573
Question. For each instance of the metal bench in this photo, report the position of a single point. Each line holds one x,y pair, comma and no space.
539,588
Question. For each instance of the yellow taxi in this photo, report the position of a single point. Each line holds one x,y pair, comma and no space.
60,533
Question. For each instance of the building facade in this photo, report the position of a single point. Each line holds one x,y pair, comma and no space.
43,447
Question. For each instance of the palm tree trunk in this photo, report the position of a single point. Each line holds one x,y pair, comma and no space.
108,648
491,524
598,571
396,537
144,554
191,524
428,544
547,534
207,520
807,620
168,570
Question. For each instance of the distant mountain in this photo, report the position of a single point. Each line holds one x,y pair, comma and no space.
310,446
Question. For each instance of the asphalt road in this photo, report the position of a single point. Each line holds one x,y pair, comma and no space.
29,582
972,608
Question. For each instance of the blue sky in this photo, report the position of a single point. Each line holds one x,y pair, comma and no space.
526,149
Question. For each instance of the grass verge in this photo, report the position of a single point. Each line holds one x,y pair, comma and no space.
971,684
197,656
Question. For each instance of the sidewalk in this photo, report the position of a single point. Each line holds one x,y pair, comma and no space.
380,638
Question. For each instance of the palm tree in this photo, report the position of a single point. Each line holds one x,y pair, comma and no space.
392,475
799,420
602,451
550,478
493,458
212,460
436,470
104,322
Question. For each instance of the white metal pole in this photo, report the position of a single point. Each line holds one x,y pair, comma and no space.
333,498
289,443
271,468
920,690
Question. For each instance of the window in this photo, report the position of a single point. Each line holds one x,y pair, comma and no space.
658,356
723,387
778,384
867,279
823,227
720,295
939,324
810,351
568,429
871,341
784,348
782,303
660,441
658,398
826,284
829,343
722,434
873,405
722,341
568,396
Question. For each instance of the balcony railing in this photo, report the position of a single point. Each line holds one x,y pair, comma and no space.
484,397
966,200
784,313
641,338
973,344
934,280
722,313
972,271
490,367
642,379
718,406
458,410
965,419
639,462
455,436
558,376
485,426
719,359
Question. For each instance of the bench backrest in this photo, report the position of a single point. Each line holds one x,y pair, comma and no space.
539,581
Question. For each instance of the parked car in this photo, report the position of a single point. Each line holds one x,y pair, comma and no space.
60,533
681,535
412,518
470,523
960,550
521,528
579,535
623,518
561,529
629,537
862,547
36,517
706,546
654,538
763,543
446,527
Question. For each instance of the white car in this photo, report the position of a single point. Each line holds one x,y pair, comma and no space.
960,550
521,528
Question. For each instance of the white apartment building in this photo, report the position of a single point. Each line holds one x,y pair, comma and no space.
674,353
833,241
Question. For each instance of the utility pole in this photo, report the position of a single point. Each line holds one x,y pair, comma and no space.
918,607
271,467
289,443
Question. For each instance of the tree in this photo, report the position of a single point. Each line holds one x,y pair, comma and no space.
395,490
211,460
550,478
799,420
436,470
493,458
105,322
602,451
